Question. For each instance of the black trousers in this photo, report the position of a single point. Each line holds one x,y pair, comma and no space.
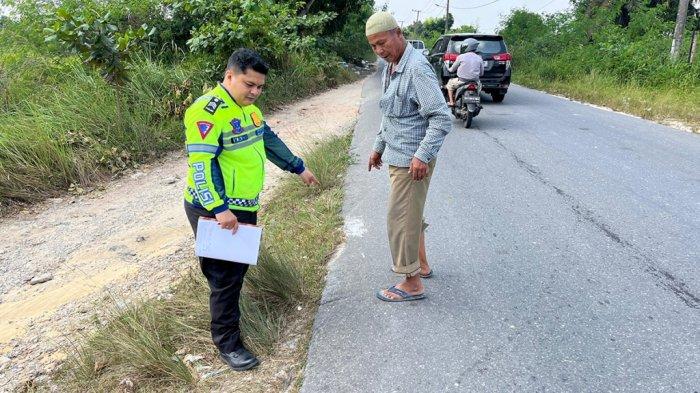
225,282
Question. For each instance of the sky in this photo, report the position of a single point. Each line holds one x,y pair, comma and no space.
487,17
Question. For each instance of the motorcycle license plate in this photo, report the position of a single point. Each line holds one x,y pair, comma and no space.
472,99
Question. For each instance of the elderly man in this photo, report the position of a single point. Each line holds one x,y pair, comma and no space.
415,121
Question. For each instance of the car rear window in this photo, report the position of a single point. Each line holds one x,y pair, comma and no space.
486,45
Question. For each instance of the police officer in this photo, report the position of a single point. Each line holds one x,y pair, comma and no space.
227,144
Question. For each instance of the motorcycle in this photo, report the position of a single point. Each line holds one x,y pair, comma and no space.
467,102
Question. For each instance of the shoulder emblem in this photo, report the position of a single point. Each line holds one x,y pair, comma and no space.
214,104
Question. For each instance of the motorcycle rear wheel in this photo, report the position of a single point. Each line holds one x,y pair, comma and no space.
468,120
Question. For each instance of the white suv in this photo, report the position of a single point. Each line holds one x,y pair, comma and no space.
418,44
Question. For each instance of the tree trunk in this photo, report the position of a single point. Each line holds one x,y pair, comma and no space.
693,47
590,13
306,8
589,16
680,29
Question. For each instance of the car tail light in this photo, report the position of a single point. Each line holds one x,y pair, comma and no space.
471,87
503,57
449,57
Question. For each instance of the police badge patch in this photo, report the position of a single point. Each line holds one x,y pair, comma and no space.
256,119
236,124
213,105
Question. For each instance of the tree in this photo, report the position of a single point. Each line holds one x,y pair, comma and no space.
463,29
523,26
273,28
680,29
438,24
96,40
343,9
590,13
428,30
348,40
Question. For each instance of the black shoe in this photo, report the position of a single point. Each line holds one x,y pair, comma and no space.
240,359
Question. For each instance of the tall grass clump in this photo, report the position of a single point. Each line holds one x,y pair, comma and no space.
315,211
139,343
82,128
147,341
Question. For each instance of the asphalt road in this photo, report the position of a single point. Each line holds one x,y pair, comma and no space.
565,242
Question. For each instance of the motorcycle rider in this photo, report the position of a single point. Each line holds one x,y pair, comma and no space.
469,67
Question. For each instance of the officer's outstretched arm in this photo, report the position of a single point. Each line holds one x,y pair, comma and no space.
279,154
202,143
282,157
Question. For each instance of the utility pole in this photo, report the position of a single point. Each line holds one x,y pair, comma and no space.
680,29
401,22
417,14
694,39
447,14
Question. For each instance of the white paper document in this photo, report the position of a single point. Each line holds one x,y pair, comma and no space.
215,242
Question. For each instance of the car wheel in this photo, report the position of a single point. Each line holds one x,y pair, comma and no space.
498,97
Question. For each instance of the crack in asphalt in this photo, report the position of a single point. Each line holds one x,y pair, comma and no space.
334,300
664,278
481,365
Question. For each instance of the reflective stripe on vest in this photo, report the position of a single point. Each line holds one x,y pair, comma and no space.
202,148
235,142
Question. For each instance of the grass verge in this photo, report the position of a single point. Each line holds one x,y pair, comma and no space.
156,345
669,105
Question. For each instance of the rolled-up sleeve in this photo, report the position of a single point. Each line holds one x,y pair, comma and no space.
433,108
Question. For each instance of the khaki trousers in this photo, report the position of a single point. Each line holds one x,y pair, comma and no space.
405,217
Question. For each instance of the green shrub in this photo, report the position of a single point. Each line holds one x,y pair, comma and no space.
55,135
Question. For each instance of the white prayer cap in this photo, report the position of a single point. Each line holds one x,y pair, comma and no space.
380,22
